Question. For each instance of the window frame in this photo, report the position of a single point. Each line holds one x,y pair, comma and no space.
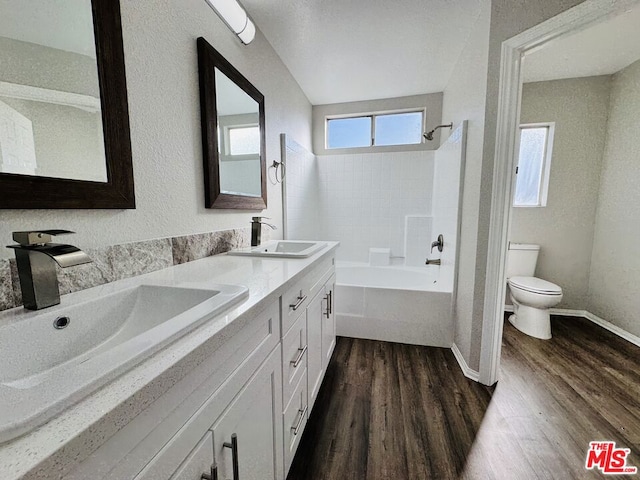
372,116
543,192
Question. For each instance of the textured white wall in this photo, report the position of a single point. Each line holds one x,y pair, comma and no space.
365,198
564,228
615,264
466,99
162,81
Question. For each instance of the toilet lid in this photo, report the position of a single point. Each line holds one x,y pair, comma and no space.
535,285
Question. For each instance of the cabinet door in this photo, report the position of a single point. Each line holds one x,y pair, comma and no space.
328,323
314,347
198,462
254,417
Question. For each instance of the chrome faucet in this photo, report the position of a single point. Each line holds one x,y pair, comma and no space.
256,229
36,258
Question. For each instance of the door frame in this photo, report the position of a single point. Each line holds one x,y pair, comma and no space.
510,93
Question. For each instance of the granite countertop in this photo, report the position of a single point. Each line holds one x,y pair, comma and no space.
55,448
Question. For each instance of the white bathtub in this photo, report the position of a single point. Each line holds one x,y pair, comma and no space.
395,304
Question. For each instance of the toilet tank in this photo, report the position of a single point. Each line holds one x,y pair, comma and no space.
522,259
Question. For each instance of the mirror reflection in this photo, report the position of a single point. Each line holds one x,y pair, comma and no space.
238,139
50,110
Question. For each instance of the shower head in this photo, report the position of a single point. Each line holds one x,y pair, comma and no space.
429,135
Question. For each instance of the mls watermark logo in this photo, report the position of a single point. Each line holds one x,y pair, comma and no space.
609,459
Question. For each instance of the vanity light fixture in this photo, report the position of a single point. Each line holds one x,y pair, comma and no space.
236,18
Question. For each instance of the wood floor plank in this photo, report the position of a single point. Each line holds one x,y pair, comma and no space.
391,411
386,457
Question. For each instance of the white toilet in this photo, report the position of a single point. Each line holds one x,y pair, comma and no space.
532,297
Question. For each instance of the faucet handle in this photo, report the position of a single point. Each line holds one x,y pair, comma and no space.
438,243
37,238
258,219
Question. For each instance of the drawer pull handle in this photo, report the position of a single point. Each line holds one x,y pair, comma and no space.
211,476
330,301
301,298
298,424
296,361
234,455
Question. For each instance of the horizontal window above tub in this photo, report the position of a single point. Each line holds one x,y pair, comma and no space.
375,129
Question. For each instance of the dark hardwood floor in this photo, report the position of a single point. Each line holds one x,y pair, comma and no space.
391,411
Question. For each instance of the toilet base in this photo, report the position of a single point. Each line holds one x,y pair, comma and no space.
535,322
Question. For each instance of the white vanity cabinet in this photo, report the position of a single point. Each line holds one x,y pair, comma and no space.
253,418
321,336
242,409
308,336
235,390
245,433
328,323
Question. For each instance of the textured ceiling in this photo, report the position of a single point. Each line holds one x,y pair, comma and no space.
601,49
349,50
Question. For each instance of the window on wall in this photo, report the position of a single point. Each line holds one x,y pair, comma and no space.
381,129
243,140
534,165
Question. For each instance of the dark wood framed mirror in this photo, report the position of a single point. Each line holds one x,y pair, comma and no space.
73,82
233,134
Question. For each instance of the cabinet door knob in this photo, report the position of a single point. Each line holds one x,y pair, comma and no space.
234,455
211,476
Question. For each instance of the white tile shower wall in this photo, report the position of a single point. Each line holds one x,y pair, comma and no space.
302,198
365,198
448,165
417,239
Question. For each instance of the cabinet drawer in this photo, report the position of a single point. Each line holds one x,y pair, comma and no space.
295,419
296,299
294,357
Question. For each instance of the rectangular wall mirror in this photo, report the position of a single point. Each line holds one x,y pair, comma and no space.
64,124
233,134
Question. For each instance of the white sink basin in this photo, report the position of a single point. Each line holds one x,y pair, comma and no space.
281,248
47,369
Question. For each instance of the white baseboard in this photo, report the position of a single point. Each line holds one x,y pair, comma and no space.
592,318
468,371
630,337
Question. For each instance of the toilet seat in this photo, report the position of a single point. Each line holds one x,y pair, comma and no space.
535,285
